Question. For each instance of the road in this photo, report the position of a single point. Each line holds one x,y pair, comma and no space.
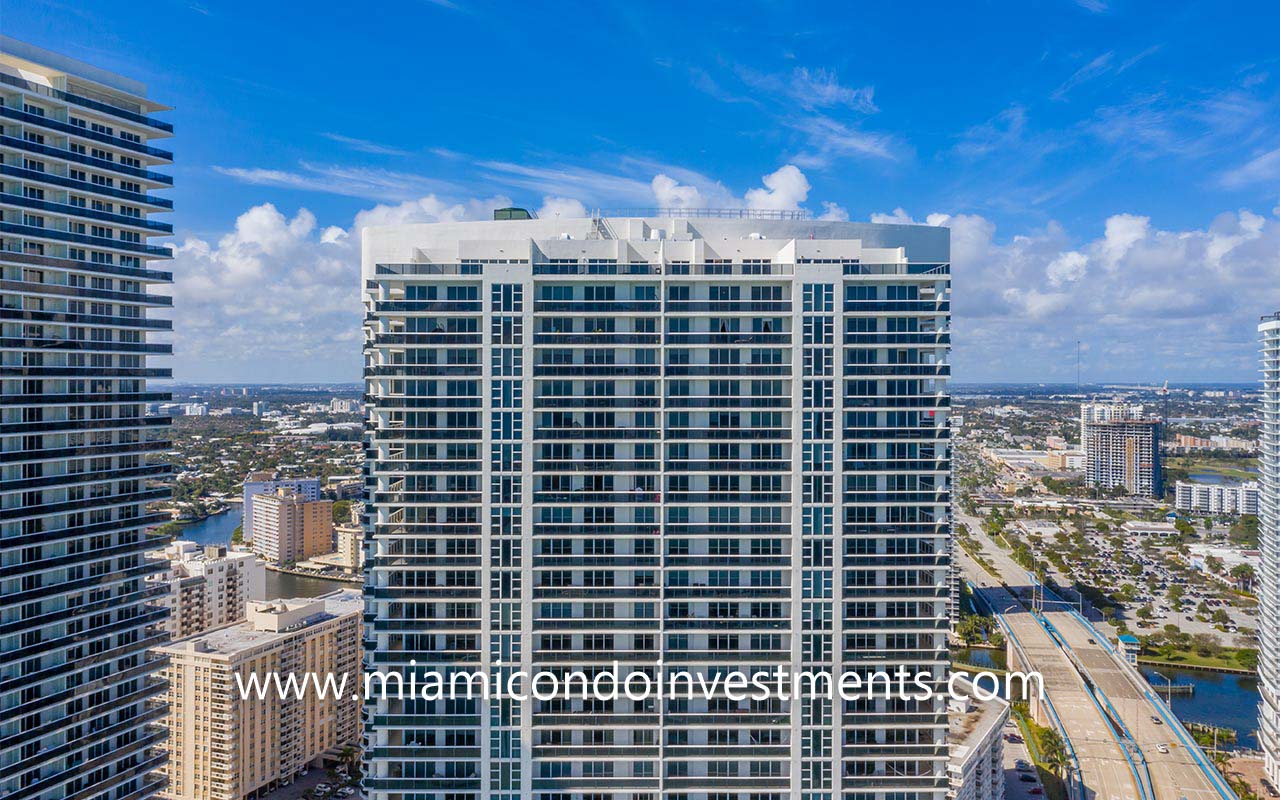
1178,774
1175,774
1104,771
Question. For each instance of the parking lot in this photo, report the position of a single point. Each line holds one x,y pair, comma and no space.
308,787
1016,753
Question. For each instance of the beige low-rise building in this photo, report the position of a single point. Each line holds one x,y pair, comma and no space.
225,746
208,587
288,528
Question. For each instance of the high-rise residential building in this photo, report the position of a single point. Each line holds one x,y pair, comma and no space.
82,459
288,528
227,745
256,483
675,442
1124,453
207,587
1269,543
1113,411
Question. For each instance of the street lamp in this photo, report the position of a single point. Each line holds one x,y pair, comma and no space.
1168,693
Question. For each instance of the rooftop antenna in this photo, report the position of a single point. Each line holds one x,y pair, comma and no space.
1077,366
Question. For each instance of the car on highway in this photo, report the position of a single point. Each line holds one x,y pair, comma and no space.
1156,720
1162,748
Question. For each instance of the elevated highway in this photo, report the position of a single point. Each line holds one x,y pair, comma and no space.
1164,760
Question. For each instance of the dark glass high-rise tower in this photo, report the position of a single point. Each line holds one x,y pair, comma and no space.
79,457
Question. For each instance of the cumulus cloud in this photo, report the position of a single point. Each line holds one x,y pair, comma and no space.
1176,304
784,190
833,211
561,207
1067,268
278,297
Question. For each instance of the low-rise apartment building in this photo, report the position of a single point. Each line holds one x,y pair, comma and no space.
1214,498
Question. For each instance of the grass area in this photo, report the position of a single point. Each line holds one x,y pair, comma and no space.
1226,658
1189,658
1228,468
1054,787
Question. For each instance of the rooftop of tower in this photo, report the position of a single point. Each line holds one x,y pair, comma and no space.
696,236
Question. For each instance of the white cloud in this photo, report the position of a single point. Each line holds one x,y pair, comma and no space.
1068,267
1177,304
278,297
1264,167
1097,67
829,139
783,190
373,184
561,208
821,88
1123,231
833,211
364,145
670,193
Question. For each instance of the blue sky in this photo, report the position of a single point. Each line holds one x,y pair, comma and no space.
1110,170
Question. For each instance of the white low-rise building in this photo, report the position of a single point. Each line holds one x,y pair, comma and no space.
1213,498
975,763
1139,527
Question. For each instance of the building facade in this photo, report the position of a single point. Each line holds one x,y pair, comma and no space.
1107,412
1215,498
256,483
976,765
225,746
82,459
206,587
1268,583
675,443
1124,454
288,528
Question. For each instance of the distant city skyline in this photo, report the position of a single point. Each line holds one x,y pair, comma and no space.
1109,178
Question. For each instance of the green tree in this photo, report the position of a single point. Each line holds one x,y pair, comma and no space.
1052,750
237,536
1206,644
1243,575
341,512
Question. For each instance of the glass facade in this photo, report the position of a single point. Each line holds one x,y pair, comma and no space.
712,464
79,457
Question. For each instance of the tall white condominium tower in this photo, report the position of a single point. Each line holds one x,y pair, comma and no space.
77,684
679,442
1106,412
1269,542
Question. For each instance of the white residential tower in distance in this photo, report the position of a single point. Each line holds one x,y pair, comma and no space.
687,440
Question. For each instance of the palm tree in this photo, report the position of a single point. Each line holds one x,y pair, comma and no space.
1243,575
1053,751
